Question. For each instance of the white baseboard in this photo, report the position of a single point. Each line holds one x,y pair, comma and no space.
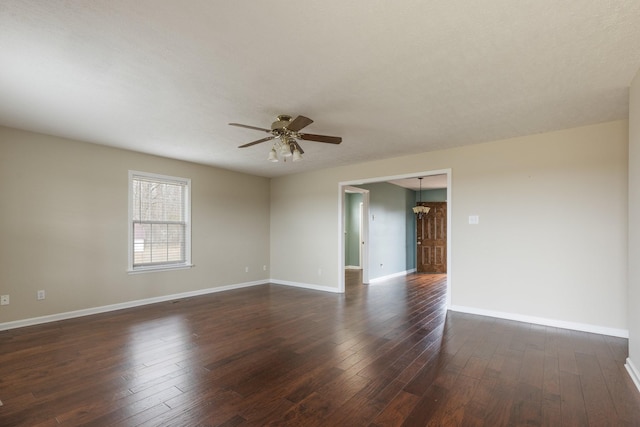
129,304
584,327
304,285
352,267
634,373
391,276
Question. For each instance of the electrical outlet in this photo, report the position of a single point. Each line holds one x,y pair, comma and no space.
41,295
4,299
264,268
246,269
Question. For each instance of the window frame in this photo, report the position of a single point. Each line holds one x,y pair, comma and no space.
186,182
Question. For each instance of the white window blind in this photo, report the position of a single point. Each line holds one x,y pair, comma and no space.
159,222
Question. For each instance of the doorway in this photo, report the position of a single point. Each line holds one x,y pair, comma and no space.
355,208
352,185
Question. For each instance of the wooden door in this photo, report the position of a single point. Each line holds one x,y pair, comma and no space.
432,239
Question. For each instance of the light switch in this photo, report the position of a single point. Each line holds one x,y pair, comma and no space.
474,219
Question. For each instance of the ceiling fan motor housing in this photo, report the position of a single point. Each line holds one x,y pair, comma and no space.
283,120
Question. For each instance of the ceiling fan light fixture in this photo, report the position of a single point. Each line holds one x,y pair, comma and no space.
297,156
285,149
273,156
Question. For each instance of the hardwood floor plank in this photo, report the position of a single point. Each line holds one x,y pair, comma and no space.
143,416
396,411
498,411
622,390
532,369
109,412
387,354
363,407
452,412
572,406
433,398
309,412
419,362
312,383
526,408
597,399
267,409
551,413
426,376
551,379
475,367
480,403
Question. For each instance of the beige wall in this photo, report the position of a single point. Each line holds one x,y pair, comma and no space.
634,226
552,238
551,243
63,223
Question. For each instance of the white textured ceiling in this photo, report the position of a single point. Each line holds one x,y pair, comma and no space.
391,78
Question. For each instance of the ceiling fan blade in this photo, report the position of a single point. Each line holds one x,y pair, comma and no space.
257,142
250,127
321,138
298,147
299,123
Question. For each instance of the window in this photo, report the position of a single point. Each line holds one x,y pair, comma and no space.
159,222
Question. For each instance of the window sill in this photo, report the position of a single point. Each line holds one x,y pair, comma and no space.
141,270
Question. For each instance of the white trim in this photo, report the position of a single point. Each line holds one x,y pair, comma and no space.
364,254
364,234
391,276
395,177
361,241
449,236
352,267
140,270
305,286
634,373
129,304
584,327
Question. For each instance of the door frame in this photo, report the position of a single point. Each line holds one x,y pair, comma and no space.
360,233
364,231
351,185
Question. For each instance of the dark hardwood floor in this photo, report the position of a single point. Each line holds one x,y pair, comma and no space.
381,355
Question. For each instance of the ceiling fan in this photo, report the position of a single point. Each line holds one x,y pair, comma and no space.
286,131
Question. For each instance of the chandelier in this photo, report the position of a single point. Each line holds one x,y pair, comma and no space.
419,209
